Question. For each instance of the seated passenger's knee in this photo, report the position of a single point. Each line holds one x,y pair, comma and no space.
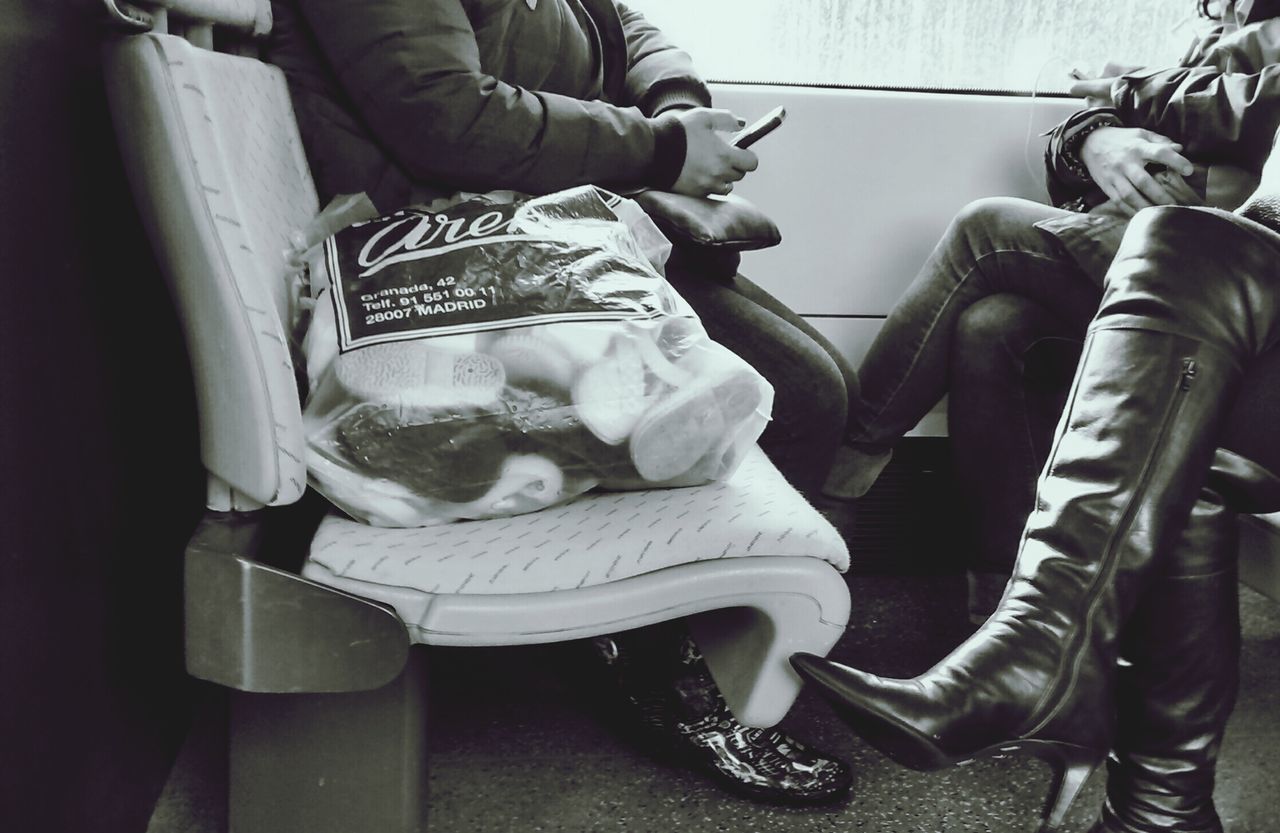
812,401
1005,324
986,215
1182,245
1201,272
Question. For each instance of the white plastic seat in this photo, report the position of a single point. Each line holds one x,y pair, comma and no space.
616,561
328,702
597,542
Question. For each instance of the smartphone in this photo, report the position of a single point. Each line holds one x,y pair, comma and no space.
753,133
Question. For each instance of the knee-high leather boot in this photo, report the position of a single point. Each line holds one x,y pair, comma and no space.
1179,684
1191,295
1178,687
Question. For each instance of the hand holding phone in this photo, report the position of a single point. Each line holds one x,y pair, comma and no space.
753,133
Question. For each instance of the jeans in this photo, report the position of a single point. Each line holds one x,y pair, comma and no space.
1004,407
813,384
1014,361
992,247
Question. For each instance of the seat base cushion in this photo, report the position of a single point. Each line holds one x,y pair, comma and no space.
599,538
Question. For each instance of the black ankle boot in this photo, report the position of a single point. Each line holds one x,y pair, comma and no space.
1192,295
670,695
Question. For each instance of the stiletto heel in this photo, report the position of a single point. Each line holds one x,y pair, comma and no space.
917,746
1072,766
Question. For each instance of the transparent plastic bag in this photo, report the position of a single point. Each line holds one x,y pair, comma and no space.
494,358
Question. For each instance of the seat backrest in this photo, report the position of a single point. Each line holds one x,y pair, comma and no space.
212,152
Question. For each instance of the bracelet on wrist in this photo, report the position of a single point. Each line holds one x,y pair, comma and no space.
1074,143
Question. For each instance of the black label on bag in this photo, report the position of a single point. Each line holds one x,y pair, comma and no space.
480,266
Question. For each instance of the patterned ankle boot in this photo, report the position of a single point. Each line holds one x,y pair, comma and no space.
684,715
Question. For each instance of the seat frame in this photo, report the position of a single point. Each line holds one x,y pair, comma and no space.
328,717
329,699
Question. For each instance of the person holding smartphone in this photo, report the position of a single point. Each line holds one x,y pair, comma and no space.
412,100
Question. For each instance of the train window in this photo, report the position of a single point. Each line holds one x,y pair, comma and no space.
997,45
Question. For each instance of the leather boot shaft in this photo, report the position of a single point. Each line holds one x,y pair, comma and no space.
1173,702
1141,422
1178,687
1127,464
1203,273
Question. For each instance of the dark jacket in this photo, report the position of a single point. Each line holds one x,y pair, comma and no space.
411,99
1221,103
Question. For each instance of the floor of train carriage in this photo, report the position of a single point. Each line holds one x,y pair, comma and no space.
524,746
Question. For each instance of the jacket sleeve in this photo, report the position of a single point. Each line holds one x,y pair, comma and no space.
1066,177
660,76
415,79
1225,109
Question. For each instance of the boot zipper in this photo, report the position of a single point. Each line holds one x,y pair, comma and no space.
1188,374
